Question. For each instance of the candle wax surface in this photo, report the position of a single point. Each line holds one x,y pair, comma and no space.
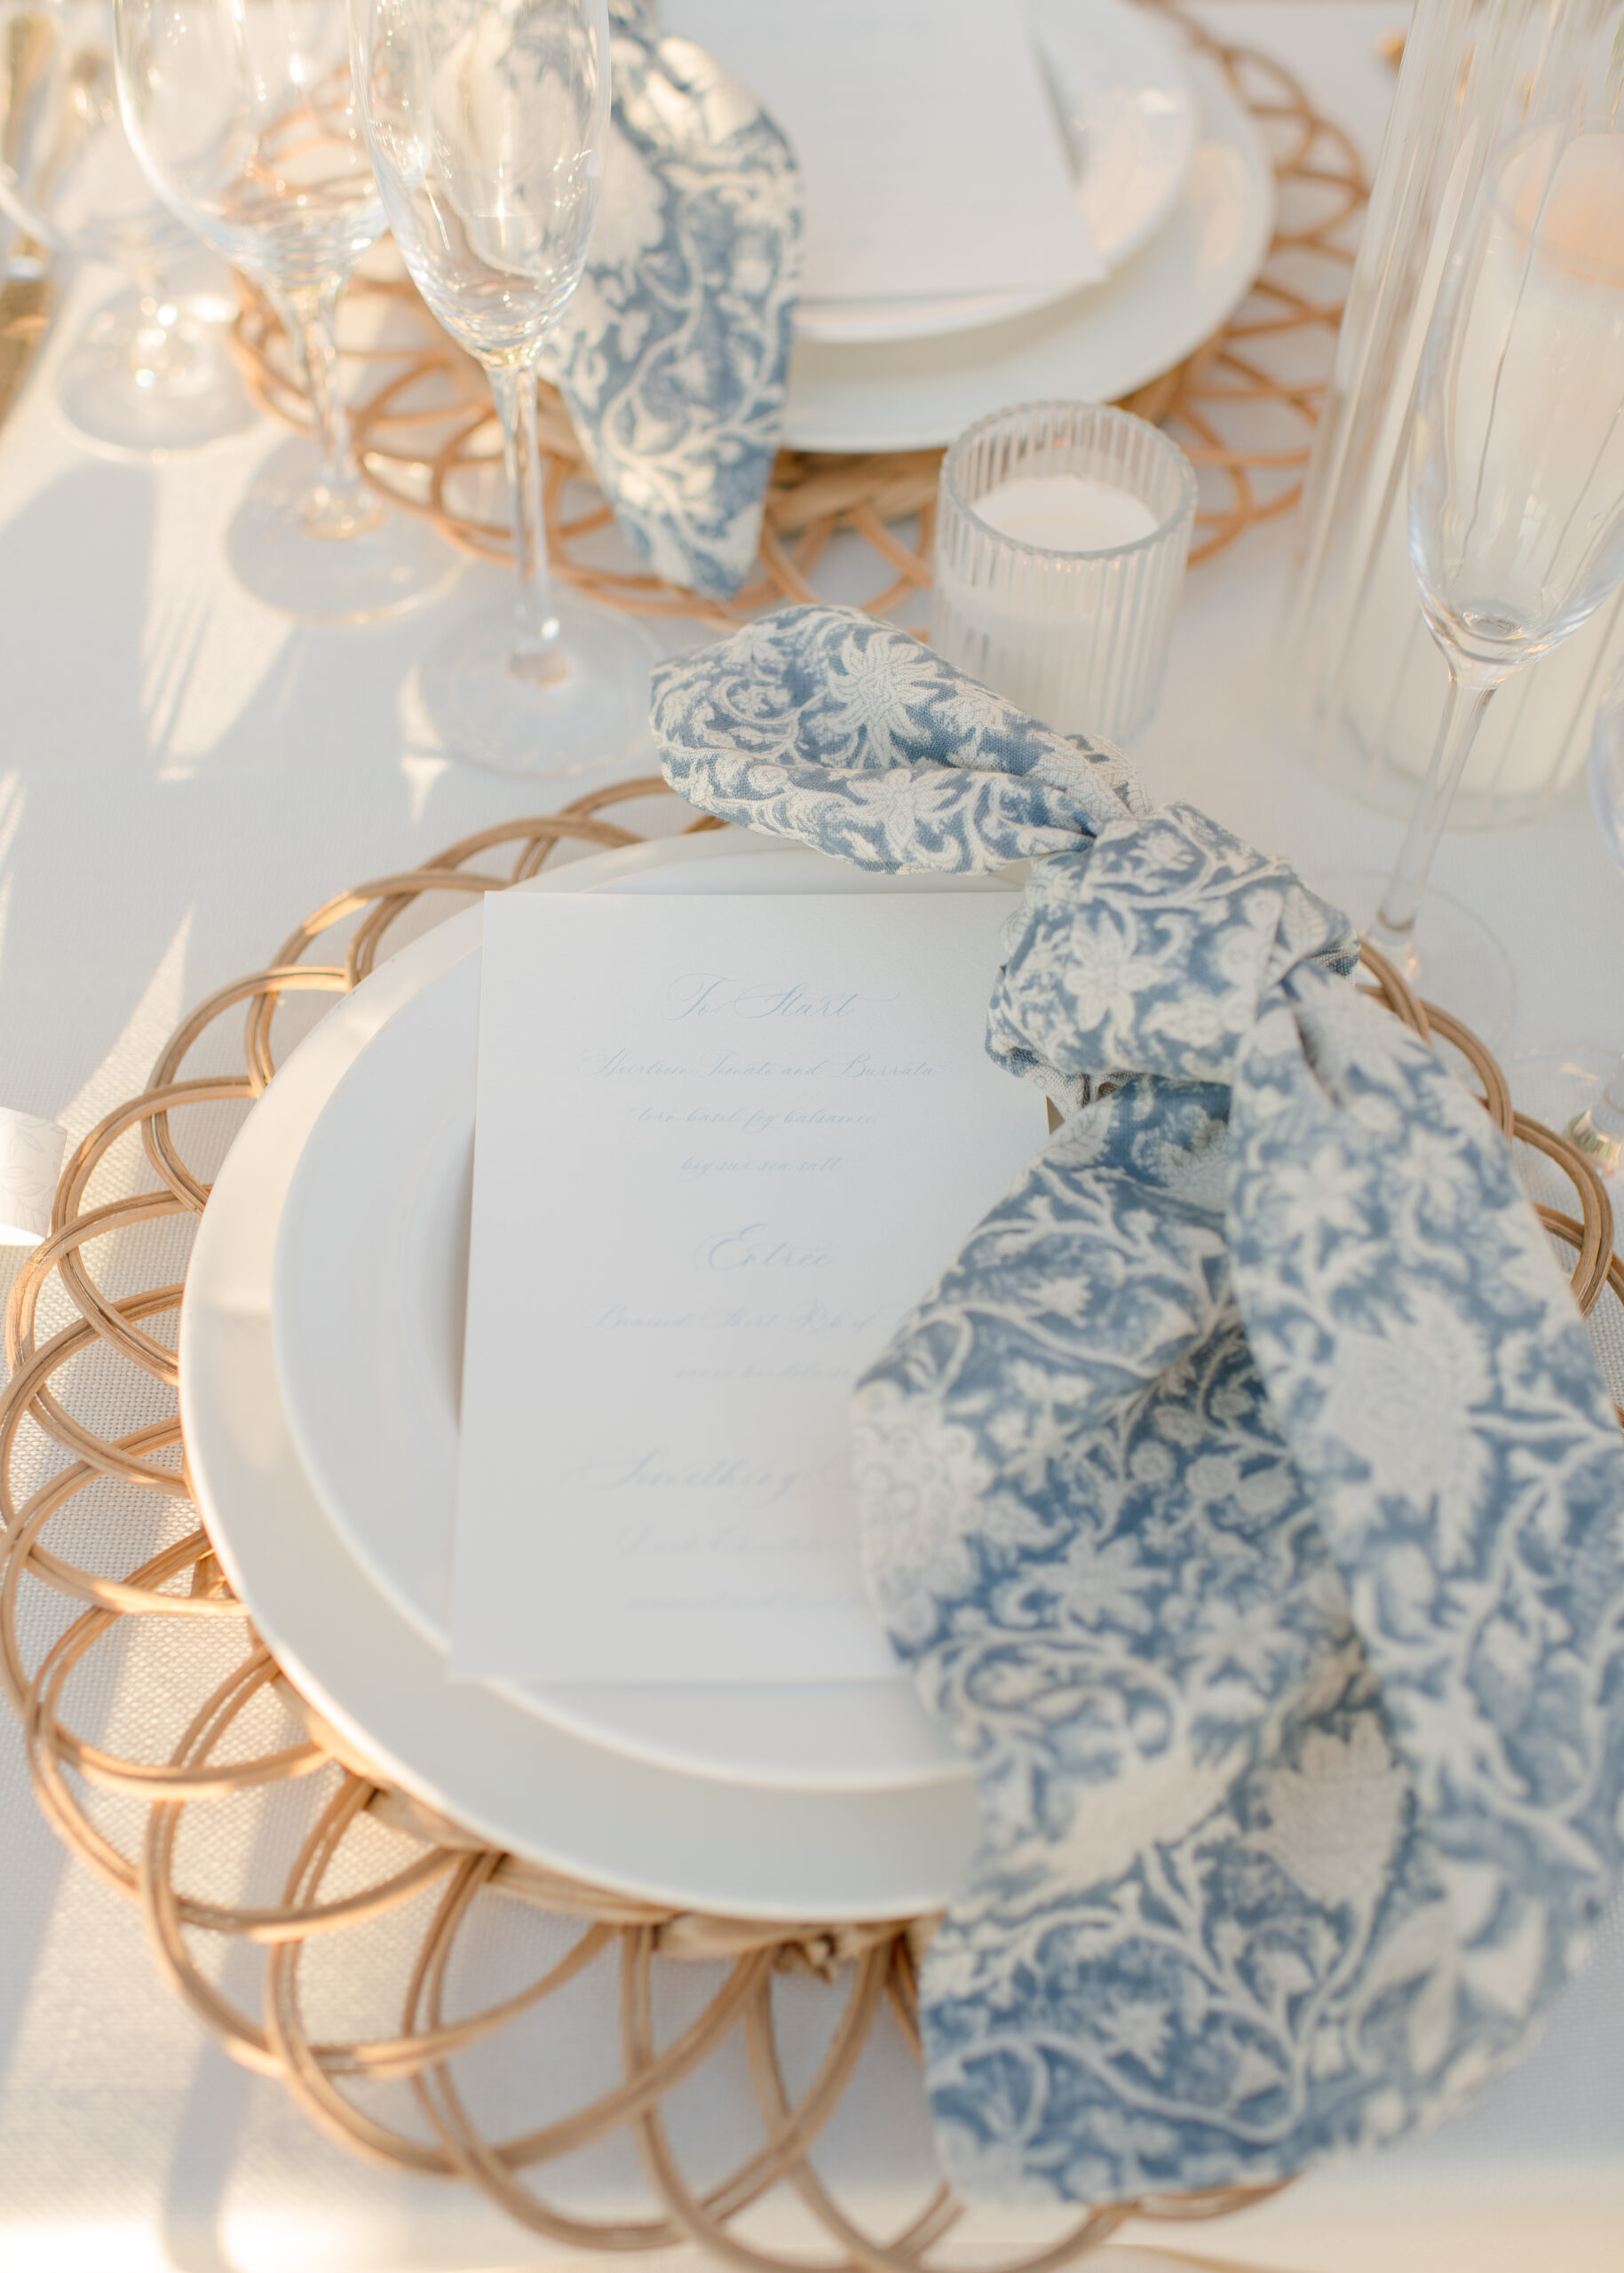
1065,512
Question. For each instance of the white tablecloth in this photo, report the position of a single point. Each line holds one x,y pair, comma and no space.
182,775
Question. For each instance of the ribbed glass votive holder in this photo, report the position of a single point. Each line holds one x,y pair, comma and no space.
1066,608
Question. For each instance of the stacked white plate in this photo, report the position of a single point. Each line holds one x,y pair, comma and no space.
319,1362
1176,185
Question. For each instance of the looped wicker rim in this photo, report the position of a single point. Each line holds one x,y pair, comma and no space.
1243,406
871,1967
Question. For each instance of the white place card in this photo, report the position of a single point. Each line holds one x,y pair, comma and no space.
930,154
722,1145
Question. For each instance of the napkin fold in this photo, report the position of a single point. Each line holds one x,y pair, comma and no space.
673,354
31,1154
1244,1497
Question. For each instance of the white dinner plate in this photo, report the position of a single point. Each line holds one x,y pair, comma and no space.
1092,346
1124,97
371,1277
525,1783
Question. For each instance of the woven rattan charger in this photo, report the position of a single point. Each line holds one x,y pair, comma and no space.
350,1873
1243,406
365,1859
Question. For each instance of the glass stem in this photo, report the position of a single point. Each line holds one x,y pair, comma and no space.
1471,687
160,357
537,653
340,505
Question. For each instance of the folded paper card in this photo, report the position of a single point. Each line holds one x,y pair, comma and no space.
1244,1494
930,149
717,1143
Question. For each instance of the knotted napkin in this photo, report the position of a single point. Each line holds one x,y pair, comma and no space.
1245,1498
673,354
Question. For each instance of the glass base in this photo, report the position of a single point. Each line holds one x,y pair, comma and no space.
595,711
198,399
1559,1086
395,562
1452,958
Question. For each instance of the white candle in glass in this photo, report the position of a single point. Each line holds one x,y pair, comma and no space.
1061,537
1065,512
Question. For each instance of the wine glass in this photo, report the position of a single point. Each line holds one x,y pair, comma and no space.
486,120
151,372
1516,486
243,120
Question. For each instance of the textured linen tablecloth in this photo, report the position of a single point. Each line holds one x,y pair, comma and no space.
183,775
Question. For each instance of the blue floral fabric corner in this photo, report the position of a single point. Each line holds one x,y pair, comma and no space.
1245,1498
673,355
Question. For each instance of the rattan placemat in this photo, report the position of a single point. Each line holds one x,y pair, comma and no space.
242,1824
1243,406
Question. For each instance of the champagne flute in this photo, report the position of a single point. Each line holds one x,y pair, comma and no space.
486,120
149,373
1517,486
243,120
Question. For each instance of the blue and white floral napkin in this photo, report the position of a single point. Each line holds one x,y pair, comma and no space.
673,355
1244,1497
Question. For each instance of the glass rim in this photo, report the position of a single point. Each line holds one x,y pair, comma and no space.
1184,511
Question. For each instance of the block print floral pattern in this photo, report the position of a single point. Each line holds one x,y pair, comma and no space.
1245,1498
673,355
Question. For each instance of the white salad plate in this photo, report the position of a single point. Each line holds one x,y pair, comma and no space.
590,1809
370,1279
1093,345
1125,105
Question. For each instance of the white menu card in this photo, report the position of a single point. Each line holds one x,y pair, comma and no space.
930,154
722,1145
